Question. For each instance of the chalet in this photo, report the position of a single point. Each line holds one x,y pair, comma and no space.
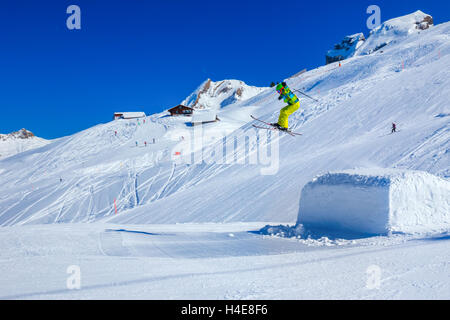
181,110
128,115
204,116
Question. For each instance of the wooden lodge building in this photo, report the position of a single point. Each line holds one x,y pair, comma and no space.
181,110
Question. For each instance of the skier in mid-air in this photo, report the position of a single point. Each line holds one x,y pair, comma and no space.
293,105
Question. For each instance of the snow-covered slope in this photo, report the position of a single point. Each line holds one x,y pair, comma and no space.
107,176
349,128
113,166
216,95
19,141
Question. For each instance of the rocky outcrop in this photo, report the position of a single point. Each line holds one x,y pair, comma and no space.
346,48
426,23
216,95
394,31
21,134
204,88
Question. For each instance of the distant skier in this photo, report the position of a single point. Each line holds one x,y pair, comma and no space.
115,133
136,143
394,127
145,143
293,105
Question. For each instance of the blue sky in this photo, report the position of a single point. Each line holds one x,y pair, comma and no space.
133,55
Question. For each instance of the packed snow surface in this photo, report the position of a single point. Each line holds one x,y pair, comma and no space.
376,202
215,261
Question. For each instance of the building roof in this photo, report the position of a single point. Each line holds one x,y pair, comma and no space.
130,114
180,106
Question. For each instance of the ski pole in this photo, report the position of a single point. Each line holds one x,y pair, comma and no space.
296,90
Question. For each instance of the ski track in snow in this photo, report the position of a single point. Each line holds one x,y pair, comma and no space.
223,260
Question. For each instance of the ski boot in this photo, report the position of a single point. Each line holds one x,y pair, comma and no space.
276,125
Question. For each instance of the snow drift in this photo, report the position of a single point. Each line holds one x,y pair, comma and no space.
376,201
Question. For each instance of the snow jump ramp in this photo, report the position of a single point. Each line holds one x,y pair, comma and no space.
377,201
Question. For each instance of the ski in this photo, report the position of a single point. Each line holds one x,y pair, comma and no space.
273,128
269,124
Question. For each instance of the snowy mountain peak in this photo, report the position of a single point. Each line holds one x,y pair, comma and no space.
19,141
395,30
216,95
409,23
391,31
21,134
405,25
